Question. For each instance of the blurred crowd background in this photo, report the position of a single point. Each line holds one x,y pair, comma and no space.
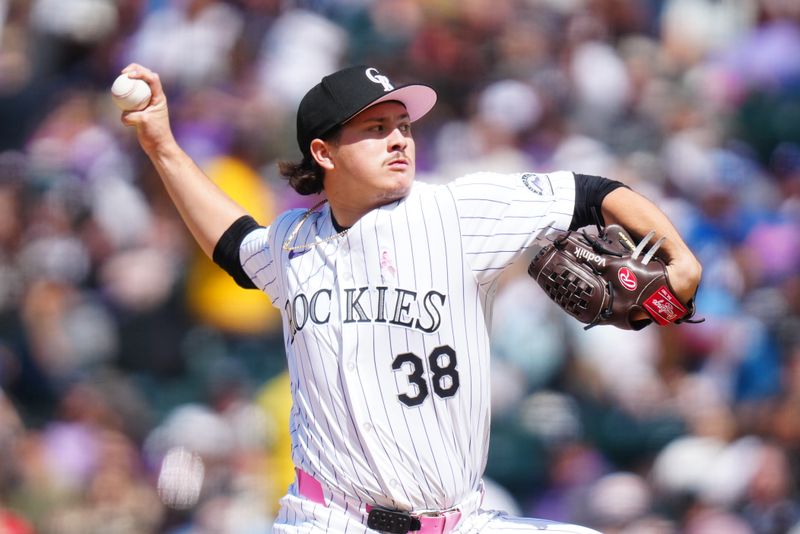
120,342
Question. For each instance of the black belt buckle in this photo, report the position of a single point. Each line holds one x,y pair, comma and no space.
392,521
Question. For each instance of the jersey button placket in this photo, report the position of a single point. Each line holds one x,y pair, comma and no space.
346,280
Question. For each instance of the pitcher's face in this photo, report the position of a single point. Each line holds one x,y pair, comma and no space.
373,161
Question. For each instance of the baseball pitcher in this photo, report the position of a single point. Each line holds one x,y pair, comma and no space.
386,289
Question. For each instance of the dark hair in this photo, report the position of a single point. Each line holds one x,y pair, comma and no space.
306,176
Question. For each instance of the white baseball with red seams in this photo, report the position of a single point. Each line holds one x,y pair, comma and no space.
130,94
386,330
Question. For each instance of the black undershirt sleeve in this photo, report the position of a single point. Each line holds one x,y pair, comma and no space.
226,251
589,194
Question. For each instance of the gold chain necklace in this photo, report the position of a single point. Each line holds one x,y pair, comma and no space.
299,225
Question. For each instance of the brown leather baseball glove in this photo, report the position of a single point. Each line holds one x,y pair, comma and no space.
606,279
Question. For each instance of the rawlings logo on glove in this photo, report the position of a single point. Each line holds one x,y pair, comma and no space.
605,279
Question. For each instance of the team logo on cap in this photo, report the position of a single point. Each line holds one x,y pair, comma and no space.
375,76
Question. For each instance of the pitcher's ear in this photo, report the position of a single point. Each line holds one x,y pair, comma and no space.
320,151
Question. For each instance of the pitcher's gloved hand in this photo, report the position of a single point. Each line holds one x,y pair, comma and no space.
608,279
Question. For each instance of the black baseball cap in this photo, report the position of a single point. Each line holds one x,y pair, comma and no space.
345,93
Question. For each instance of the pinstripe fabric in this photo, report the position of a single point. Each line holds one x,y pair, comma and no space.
386,332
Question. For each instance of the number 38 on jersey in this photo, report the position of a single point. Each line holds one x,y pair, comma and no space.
439,373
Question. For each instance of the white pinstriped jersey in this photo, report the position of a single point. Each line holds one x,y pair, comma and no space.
387,331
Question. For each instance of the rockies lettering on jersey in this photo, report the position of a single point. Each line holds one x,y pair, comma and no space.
300,308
